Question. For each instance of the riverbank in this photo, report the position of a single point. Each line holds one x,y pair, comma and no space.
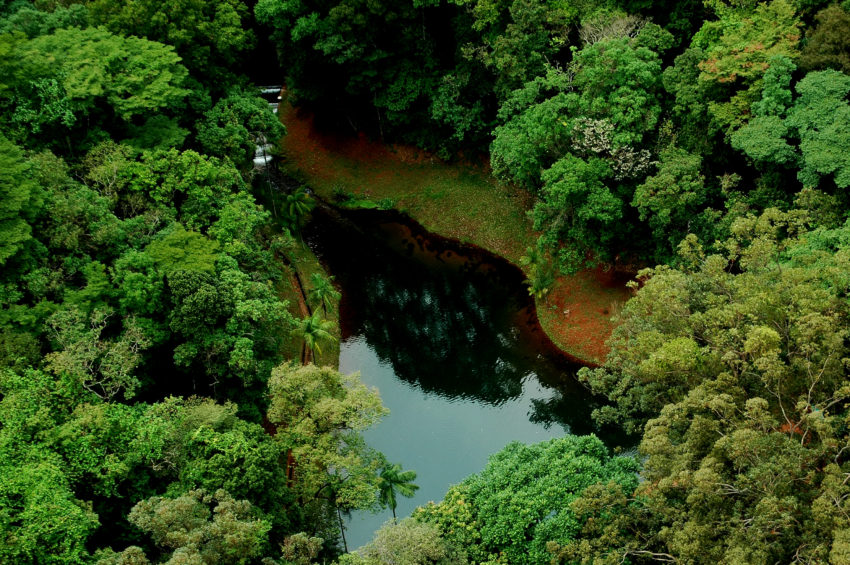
295,286
458,201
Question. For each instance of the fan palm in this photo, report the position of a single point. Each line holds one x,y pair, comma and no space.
393,480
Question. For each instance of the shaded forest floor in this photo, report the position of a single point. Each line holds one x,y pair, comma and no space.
459,201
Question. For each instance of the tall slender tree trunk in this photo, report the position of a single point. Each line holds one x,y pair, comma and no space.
341,528
290,469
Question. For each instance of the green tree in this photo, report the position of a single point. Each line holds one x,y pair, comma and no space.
518,38
741,380
540,272
819,116
323,291
318,414
342,54
827,44
737,49
670,199
19,200
408,542
104,366
236,125
195,186
393,479
807,135
611,71
177,249
209,36
296,205
521,500
313,330
762,138
72,73
34,22
42,521
231,531
534,134
577,211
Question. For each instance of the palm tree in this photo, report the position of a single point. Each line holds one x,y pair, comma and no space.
313,329
323,291
297,205
541,273
394,479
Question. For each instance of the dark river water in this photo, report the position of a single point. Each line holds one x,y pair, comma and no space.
449,336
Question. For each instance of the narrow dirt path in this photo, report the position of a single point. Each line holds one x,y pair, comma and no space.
295,279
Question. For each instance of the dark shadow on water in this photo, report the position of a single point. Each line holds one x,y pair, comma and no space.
450,319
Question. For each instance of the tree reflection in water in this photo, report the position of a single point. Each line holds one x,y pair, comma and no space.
449,320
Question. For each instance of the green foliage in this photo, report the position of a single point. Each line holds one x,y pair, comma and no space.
33,22
740,44
408,542
520,501
815,123
737,50
313,330
518,38
762,137
236,125
661,354
209,36
541,272
577,133
158,132
196,531
670,198
42,521
821,116
91,66
19,199
318,414
103,366
179,250
342,53
742,377
132,269
577,211
296,206
231,325
827,45
197,187
300,549
393,479
323,292
534,134
618,80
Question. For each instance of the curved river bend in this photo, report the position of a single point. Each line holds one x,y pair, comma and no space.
450,338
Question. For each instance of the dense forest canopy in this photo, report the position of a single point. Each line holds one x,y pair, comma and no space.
158,403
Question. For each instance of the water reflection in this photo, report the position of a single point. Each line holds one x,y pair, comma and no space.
454,325
451,342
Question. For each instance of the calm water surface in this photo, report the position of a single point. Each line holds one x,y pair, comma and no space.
449,337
